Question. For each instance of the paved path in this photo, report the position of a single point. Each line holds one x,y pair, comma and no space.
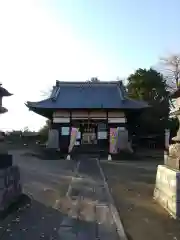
89,216
82,213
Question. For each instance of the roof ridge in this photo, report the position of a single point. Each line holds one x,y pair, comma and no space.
122,91
85,82
55,91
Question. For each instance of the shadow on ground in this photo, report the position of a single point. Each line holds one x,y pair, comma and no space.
45,154
21,201
29,219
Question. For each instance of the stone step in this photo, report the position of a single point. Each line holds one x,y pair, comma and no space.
107,233
87,221
103,215
87,211
106,225
68,206
67,233
69,225
79,222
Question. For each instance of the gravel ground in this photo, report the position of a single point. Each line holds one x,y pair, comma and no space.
132,185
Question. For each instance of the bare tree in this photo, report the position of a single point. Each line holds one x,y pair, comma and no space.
172,69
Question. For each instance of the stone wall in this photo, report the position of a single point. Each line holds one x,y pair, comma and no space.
53,139
167,189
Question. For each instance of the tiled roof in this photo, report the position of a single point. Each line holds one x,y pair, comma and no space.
76,95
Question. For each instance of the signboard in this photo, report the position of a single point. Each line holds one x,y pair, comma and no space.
113,140
65,131
74,135
102,135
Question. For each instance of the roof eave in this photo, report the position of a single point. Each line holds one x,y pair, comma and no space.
7,95
3,110
4,92
45,112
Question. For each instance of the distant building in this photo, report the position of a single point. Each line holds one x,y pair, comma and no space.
91,107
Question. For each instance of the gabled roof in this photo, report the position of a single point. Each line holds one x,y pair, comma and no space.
87,95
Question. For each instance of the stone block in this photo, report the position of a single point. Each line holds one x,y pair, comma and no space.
87,212
169,203
10,186
173,162
167,189
53,139
103,215
69,222
67,233
107,232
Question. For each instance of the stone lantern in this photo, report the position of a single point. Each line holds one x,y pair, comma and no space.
167,187
173,158
10,189
3,93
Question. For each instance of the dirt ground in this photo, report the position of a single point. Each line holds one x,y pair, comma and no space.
132,185
45,184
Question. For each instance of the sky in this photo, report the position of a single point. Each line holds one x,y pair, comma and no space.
42,41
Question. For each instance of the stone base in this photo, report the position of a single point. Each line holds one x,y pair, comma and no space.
172,158
167,189
109,157
173,163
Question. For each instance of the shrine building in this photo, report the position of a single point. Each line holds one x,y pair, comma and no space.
91,107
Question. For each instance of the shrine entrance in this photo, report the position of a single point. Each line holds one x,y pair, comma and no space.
92,135
88,133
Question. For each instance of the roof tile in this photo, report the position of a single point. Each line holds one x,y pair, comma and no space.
76,95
